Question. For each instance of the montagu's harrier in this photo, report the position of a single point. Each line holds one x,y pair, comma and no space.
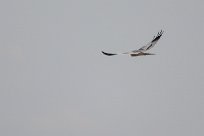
142,50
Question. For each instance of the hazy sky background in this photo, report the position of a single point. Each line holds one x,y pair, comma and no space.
55,81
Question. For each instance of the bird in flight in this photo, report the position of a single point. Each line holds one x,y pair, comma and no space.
141,51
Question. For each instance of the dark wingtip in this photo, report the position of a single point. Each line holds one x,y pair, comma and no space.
159,34
108,54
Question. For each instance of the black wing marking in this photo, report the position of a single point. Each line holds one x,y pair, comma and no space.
108,54
158,36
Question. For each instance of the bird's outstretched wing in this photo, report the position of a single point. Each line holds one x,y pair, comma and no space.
143,49
149,45
152,43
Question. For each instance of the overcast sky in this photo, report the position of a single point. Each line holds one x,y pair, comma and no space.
55,81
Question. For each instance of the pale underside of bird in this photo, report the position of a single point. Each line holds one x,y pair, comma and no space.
141,51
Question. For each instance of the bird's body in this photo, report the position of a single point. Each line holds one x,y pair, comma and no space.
141,54
142,50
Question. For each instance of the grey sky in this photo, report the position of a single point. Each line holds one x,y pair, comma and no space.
54,80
